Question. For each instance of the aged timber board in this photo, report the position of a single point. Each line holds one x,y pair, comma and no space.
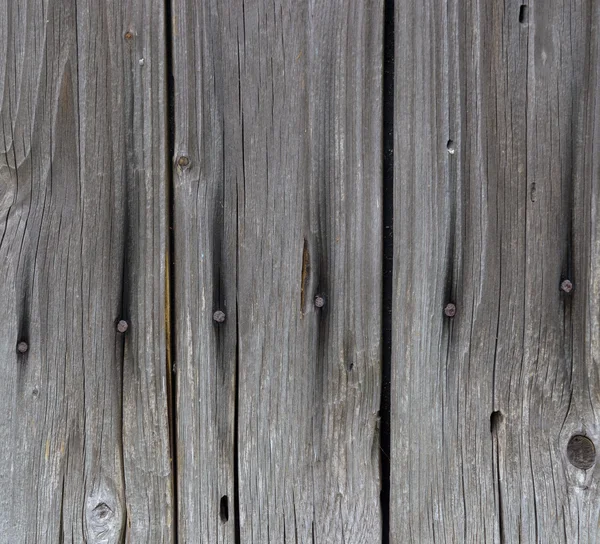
277,192
495,204
84,444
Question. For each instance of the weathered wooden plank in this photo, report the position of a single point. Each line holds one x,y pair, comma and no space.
207,165
484,404
84,439
278,200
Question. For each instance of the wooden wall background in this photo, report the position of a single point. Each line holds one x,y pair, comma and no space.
230,231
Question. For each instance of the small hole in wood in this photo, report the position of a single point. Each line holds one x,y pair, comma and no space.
495,421
524,14
451,147
224,509
581,452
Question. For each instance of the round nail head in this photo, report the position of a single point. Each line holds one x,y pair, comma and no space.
219,316
566,286
450,310
581,452
22,347
122,326
319,301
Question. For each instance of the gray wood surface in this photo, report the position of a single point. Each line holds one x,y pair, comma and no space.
484,404
84,448
277,180
253,342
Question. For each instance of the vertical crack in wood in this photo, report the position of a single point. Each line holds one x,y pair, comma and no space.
236,386
236,480
124,314
170,264
388,260
305,276
496,420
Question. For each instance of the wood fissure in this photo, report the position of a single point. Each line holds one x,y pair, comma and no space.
387,162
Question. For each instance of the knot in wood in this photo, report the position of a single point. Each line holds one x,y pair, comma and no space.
219,316
129,35
22,347
122,326
102,512
581,452
183,161
450,310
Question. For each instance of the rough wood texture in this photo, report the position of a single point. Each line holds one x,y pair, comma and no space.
278,107
84,450
484,404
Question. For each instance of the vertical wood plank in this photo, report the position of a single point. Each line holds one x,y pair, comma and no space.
207,167
84,438
277,201
495,194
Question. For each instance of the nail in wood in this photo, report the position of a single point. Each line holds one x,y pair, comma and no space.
122,326
566,286
450,310
219,316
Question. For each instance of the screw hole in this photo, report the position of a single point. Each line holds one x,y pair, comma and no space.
495,421
451,147
224,509
524,14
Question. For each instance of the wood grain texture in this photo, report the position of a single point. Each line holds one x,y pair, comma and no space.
484,404
278,107
207,165
84,449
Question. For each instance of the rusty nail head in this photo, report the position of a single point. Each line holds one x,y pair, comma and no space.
319,301
128,35
566,286
122,326
183,161
22,347
219,316
450,310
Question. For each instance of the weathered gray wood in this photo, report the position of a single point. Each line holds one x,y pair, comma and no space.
278,111
207,164
84,450
483,405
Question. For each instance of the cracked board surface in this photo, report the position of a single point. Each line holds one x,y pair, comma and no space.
496,193
277,186
84,447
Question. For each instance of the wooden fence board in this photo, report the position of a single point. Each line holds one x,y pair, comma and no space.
207,165
84,448
278,200
496,187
